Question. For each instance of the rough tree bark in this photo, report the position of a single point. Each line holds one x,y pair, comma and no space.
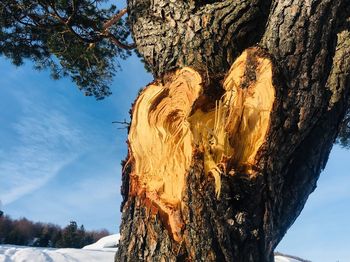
229,141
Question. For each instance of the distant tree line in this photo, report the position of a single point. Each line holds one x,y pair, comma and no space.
27,233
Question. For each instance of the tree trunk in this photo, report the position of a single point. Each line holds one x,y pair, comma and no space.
228,142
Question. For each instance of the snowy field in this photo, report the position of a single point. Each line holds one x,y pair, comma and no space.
24,254
101,251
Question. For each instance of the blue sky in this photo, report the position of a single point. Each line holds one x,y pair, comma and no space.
60,160
60,153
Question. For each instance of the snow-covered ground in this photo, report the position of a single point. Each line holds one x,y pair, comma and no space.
108,242
25,254
101,251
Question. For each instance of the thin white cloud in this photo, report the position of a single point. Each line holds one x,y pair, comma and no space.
92,191
46,141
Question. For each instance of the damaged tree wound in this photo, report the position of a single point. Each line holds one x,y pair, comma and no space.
224,151
170,127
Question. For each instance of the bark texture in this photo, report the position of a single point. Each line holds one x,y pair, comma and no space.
207,35
308,43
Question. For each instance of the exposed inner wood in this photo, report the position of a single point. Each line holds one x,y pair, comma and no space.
168,127
161,142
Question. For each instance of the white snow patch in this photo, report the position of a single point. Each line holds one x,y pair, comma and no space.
101,251
105,242
28,254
